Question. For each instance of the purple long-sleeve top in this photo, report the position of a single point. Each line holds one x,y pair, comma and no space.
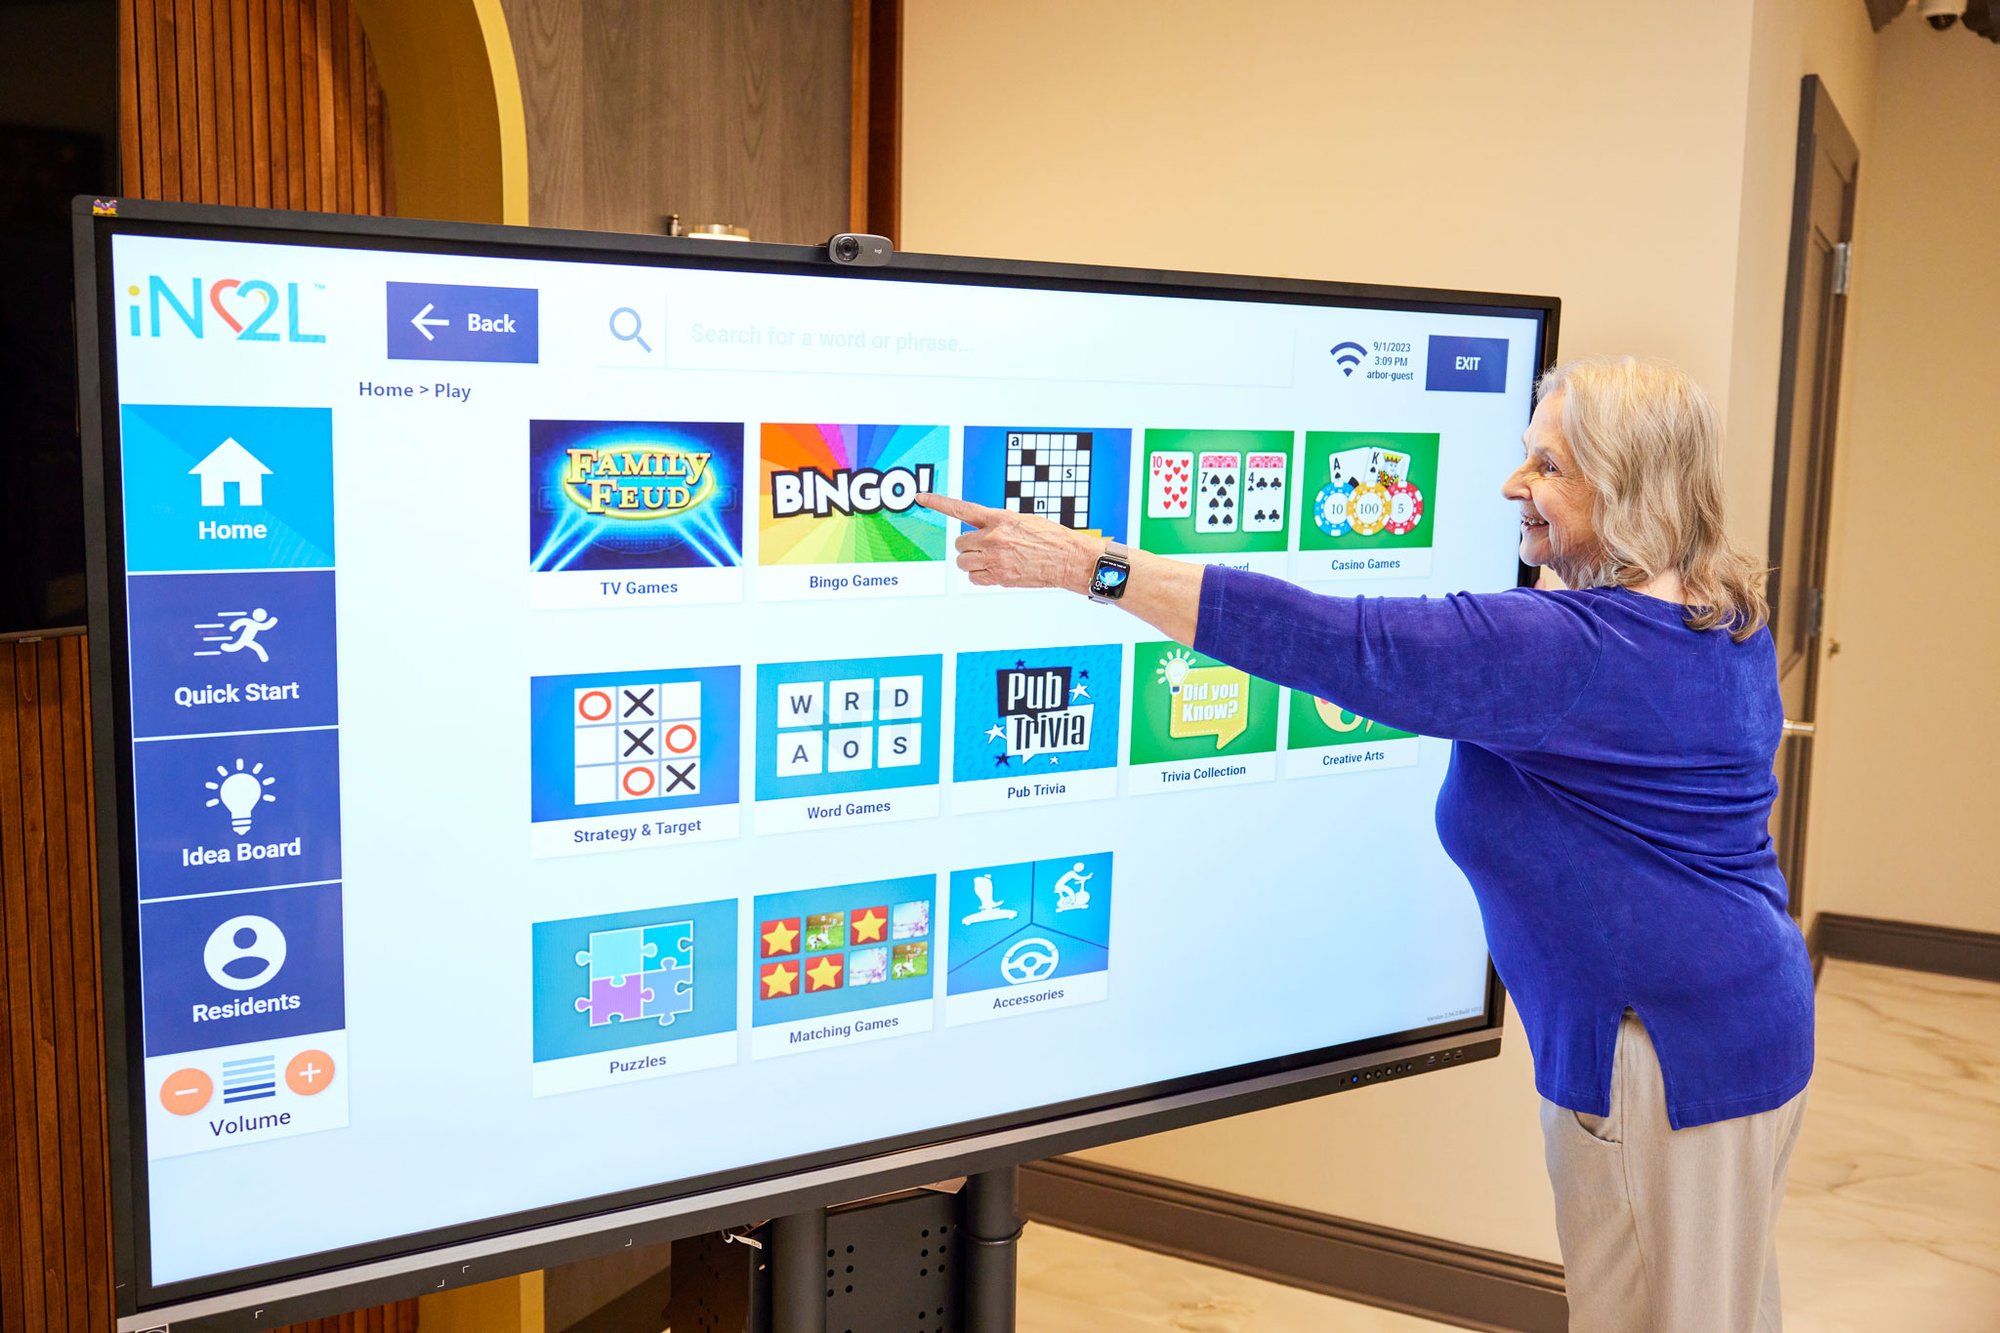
1608,798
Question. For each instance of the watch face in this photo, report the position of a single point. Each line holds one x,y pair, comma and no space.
1109,580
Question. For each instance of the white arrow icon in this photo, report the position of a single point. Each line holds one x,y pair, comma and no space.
424,325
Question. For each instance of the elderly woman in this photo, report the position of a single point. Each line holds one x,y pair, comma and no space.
1608,795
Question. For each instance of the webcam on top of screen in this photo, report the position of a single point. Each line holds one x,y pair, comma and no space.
860,249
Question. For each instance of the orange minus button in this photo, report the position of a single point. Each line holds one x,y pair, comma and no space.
309,1072
186,1091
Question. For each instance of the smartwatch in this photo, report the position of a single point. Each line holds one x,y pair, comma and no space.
1113,572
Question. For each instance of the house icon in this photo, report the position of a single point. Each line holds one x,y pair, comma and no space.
230,462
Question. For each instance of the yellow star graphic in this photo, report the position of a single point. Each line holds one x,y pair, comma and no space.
823,975
779,981
780,937
868,925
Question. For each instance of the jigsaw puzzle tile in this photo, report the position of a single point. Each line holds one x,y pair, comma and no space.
669,991
614,997
615,953
669,944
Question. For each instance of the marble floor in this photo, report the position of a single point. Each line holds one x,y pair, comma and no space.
1891,1218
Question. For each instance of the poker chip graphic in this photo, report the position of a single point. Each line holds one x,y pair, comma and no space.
1330,508
1368,509
1406,508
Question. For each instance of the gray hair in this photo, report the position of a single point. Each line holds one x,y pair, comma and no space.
1647,440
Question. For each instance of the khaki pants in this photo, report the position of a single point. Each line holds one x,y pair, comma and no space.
1663,1230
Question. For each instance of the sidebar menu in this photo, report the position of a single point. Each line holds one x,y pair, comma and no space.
235,772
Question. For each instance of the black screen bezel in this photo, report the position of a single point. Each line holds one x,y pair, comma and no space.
507,1243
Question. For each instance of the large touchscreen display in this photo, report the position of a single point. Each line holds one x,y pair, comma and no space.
565,761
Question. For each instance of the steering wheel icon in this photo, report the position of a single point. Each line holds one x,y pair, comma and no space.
1029,960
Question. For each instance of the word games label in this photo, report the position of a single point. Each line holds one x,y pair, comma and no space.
638,513
849,741
633,759
1037,726
842,965
632,995
839,515
1322,739
1197,722
1030,936
1218,496
1370,507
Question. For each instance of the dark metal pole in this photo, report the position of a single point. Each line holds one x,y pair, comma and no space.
992,1228
798,1272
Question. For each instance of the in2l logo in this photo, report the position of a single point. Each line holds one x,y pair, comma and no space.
245,307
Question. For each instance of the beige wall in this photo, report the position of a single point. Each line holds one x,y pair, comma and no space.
1906,774
1634,160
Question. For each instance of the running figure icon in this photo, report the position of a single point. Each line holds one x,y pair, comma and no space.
240,632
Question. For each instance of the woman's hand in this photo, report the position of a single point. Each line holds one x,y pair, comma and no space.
1009,550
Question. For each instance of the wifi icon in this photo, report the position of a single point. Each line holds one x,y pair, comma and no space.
1348,356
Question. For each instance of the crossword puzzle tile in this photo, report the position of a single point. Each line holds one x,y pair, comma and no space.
614,998
615,953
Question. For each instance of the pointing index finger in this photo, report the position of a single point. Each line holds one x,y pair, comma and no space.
964,511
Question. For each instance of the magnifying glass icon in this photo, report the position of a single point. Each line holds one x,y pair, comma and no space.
622,318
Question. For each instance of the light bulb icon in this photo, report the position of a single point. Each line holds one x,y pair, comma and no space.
1174,668
240,793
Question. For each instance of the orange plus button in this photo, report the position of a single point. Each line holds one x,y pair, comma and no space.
309,1072
186,1091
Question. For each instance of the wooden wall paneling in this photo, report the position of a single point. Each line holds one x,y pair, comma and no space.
21,1268
721,113
324,115
242,135
79,800
63,1141
256,95
548,53
341,97
378,149
187,98
881,164
166,106
130,149
221,97
208,181
33,822
857,115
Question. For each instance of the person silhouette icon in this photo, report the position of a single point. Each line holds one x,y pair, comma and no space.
246,629
1071,896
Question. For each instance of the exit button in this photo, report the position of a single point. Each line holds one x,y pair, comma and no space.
1466,365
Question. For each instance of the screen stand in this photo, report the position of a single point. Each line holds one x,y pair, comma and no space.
798,1290
944,1256
992,1232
